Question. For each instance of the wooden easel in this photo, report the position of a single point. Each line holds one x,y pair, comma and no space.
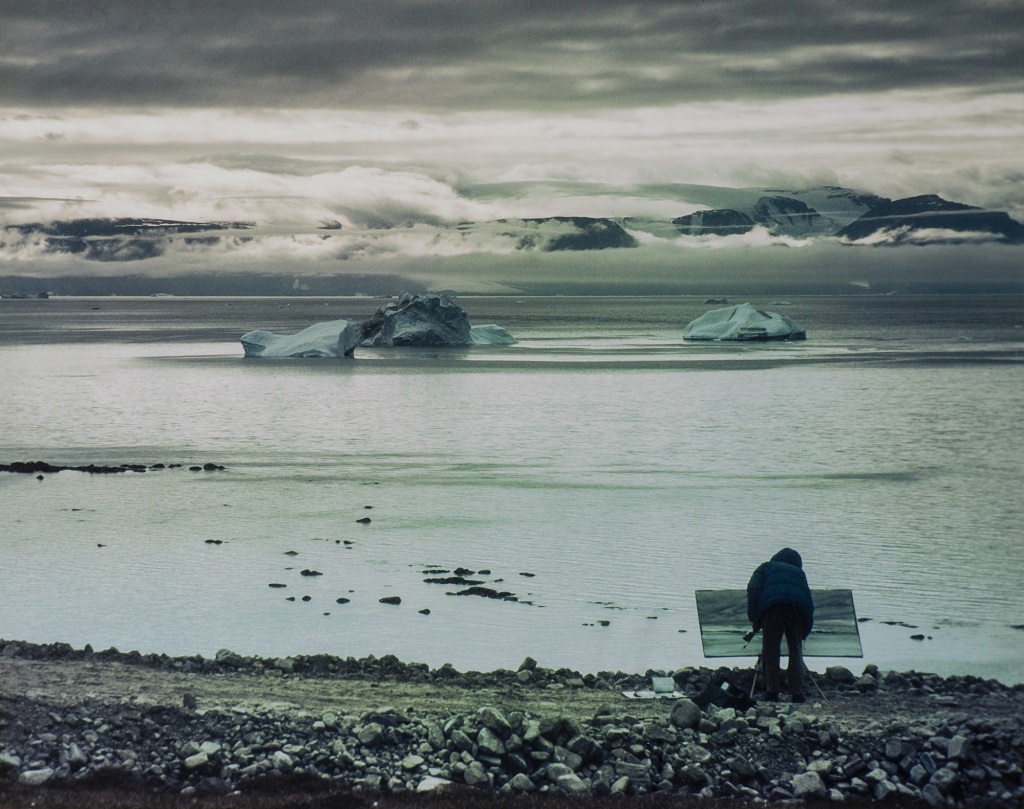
725,628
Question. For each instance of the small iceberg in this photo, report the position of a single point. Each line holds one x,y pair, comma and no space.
337,338
490,335
743,322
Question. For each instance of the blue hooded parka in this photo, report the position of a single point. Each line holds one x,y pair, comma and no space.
780,581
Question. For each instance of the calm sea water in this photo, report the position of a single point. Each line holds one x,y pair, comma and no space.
600,471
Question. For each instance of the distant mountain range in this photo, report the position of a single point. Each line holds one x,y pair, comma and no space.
828,212
800,214
825,212
113,239
926,219
550,234
929,213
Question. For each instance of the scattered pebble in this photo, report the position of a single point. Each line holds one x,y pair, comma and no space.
700,747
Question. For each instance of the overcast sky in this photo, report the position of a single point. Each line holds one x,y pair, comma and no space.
292,112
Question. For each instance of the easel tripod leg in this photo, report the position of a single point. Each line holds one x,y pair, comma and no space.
817,687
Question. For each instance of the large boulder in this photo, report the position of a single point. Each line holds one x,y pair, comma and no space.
336,338
427,320
808,785
685,714
743,322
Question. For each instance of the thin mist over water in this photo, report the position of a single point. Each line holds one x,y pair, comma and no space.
600,470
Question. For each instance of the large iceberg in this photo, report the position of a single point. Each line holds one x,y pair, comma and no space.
337,338
428,320
413,320
743,322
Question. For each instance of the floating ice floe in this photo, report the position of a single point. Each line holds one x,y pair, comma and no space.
490,335
743,322
337,338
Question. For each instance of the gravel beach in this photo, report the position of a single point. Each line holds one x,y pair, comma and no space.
195,726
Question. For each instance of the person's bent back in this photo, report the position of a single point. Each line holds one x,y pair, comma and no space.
779,604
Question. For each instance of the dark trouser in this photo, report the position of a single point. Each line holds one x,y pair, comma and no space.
778,621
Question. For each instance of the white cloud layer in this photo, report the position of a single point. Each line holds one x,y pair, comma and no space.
384,168
400,118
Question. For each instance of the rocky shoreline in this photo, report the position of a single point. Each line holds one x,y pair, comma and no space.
202,726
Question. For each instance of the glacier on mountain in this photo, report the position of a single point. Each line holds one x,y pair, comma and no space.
779,215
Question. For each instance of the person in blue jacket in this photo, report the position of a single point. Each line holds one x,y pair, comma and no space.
779,604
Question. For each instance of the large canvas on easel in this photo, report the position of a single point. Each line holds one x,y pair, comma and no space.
723,621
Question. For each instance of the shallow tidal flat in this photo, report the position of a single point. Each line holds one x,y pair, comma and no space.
621,466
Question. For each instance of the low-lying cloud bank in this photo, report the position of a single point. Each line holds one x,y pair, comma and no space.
426,233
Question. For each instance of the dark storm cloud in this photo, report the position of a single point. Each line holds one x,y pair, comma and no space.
519,54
